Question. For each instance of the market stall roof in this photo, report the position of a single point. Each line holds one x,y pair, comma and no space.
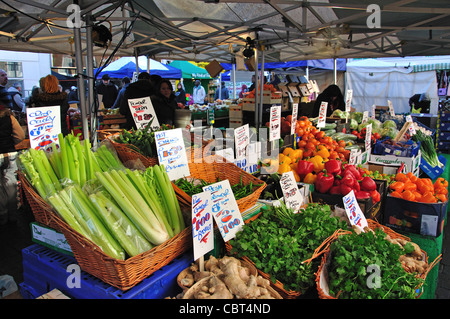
126,66
204,30
324,64
190,71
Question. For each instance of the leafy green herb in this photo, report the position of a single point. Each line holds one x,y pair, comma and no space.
279,241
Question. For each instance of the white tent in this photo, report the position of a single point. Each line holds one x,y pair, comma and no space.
375,81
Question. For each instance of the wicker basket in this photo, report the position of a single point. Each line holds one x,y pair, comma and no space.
107,133
122,274
277,286
127,152
213,172
322,273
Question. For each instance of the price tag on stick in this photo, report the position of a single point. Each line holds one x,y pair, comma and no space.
294,117
225,209
354,212
202,224
172,153
292,196
322,115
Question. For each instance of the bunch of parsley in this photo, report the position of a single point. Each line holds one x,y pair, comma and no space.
279,241
366,266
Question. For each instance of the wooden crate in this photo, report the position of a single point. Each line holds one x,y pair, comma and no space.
235,123
249,103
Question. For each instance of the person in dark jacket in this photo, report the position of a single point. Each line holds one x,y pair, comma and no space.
51,96
222,92
125,82
333,95
72,97
11,133
5,96
164,103
108,90
180,94
141,88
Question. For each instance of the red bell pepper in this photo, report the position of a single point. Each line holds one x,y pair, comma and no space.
368,184
344,189
376,197
324,182
304,168
335,190
362,195
353,170
333,167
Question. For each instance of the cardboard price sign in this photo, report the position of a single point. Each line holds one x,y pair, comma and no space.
44,125
348,100
172,153
322,114
225,209
294,117
143,112
354,212
242,139
202,224
292,196
275,123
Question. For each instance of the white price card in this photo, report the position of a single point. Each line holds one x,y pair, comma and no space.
365,116
275,123
353,158
172,153
292,196
202,224
242,139
372,115
143,112
354,212
225,209
368,136
44,125
348,100
412,129
391,108
322,114
294,117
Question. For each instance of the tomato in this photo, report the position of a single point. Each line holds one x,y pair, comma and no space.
341,143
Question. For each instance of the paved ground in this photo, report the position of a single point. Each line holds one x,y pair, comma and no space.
443,289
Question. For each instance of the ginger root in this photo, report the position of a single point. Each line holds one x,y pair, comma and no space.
411,262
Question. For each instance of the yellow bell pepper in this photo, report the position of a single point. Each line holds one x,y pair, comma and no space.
296,155
296,176
310,178
287,151
283,168
322,151
318,163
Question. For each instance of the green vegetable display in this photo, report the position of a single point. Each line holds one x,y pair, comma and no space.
355,257
279,241
427,148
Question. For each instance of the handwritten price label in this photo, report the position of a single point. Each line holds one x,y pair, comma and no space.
225,209
44,125
202,224
354,213
171,153
143,112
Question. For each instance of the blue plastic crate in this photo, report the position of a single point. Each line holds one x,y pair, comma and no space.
28,292
444,126
433,172
443,146
45,269
444,136
420,124
410,150
444,117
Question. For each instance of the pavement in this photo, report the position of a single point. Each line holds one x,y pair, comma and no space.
443,286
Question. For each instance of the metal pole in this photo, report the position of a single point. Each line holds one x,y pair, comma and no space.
233,71
260,113
80,81
137,61
91,109
256,90
335,71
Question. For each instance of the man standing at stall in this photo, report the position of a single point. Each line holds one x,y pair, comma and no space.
199,93
5,96
108,91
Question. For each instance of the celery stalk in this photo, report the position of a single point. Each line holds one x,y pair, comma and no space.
46,180
153,236
100,235
62,209
64,159
119,225
82,160
31,173
73,166
49,169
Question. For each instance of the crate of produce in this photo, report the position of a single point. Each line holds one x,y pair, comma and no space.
419,218
433,172
422,127
403,149
211,171
45,269
393,163
235,114
370,209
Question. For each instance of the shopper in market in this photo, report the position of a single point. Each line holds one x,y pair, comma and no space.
16,94
180,95
51,96
199,93
141,88
243,91
333,95
125,82
222,92
5,96
164,102
73,95
108,91
11,133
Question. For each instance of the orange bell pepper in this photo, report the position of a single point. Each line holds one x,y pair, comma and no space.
428,197
413,178
441,190
397,186
418,196
423,187
441,197
440,182
401,177
408,195
396,194
410,186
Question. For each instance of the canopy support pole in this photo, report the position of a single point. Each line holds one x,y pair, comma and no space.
260,112
80,82
256,90
137,61
233,72
335,71
91,107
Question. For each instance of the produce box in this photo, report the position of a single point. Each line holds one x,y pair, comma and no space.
391,163
433,172
443,146
369,209
419,218
402,149
50,238
45,269
444,126
444,136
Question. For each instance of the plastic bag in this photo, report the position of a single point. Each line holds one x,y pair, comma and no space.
7,285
